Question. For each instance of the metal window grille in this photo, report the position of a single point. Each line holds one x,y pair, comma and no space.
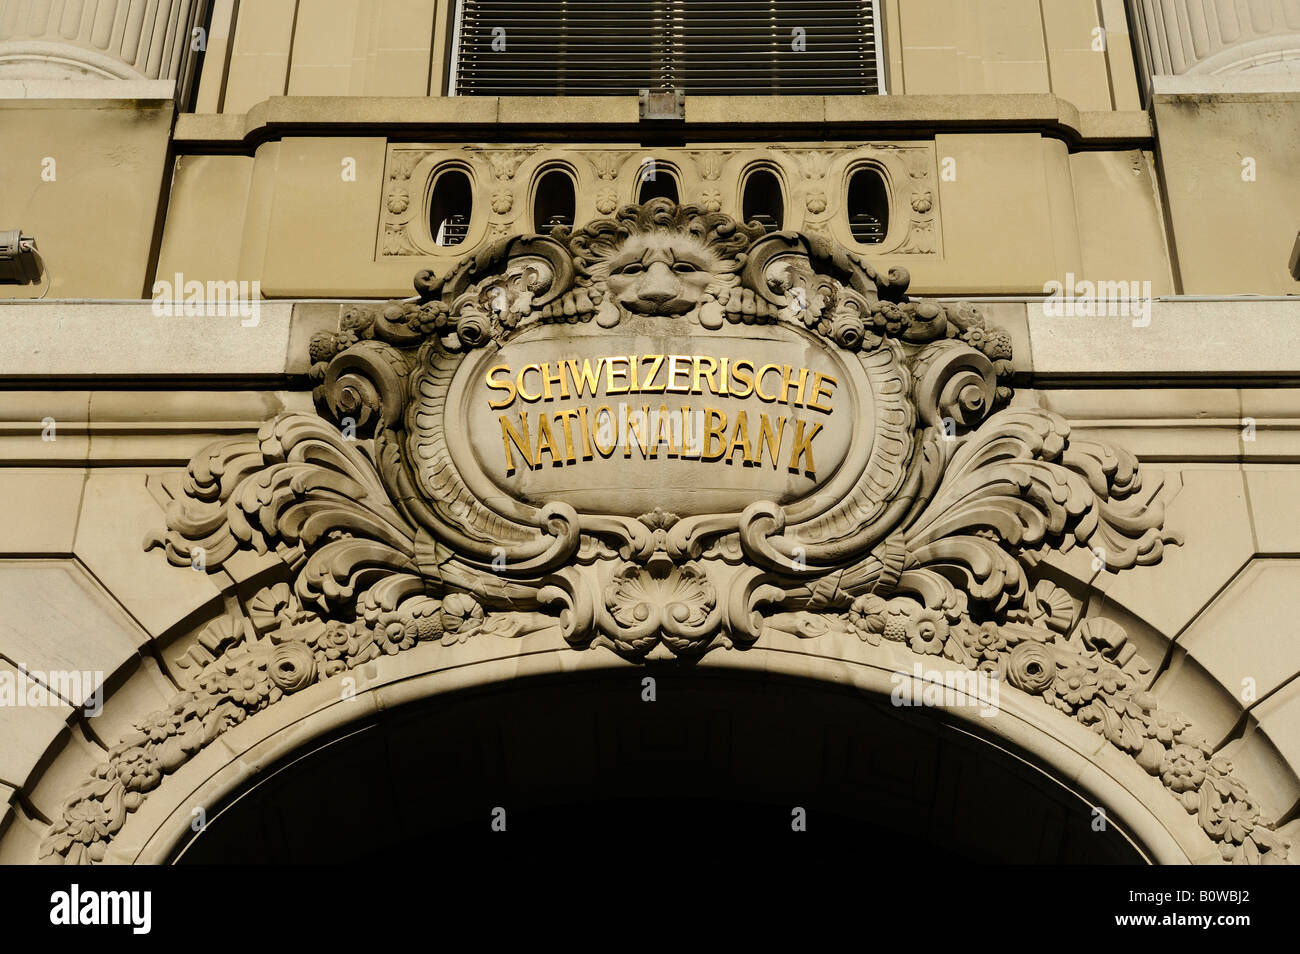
701,47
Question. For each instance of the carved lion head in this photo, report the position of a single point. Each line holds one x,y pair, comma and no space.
661,258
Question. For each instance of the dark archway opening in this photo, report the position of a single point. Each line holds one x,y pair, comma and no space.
763,201
656,183
554,203
450,208
868,207
581,759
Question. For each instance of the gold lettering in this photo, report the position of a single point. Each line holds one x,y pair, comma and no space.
820,392
558,378
545,440
656,360
718,430
722,377
519,384
611,371
740,439
801,448
758,383
679,364
746,381
787,384
700,361
589,381
564,417
769,439
586,435
522,441
507,385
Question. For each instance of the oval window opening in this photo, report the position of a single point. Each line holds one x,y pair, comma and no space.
554,203
762,201
656,183
450,209
868,207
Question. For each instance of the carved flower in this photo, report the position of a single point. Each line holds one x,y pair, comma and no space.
927,631
1111,680
975,337
139,771
1234,820
250,688
1183,768
215,682
292,666
1163,727
816,202
87,821
922,202
332,646
157,725
606,201
711,199
396,634
984,644
1031,667
1074,686
502,201
399,200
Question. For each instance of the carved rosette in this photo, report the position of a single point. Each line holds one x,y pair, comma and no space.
925,532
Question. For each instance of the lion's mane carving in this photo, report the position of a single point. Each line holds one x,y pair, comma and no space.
931,542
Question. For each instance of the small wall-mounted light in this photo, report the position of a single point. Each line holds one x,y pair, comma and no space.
20,263
1295,259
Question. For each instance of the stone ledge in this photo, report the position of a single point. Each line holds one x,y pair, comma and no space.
1230,337
62,339
102,93
452,118
1280,86
92,341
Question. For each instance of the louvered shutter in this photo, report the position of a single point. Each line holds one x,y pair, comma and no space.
702,47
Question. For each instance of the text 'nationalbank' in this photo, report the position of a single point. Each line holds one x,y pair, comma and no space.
683,431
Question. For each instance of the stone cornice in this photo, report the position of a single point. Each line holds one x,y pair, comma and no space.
609,118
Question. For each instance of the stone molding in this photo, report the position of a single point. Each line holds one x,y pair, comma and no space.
96,39
1221,36
532,119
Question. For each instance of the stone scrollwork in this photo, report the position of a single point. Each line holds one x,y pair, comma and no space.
933,500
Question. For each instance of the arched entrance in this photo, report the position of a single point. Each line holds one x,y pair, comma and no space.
718,756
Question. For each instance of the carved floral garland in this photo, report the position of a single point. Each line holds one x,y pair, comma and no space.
943,564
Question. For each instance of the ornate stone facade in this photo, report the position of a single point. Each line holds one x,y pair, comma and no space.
896,450
391,530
